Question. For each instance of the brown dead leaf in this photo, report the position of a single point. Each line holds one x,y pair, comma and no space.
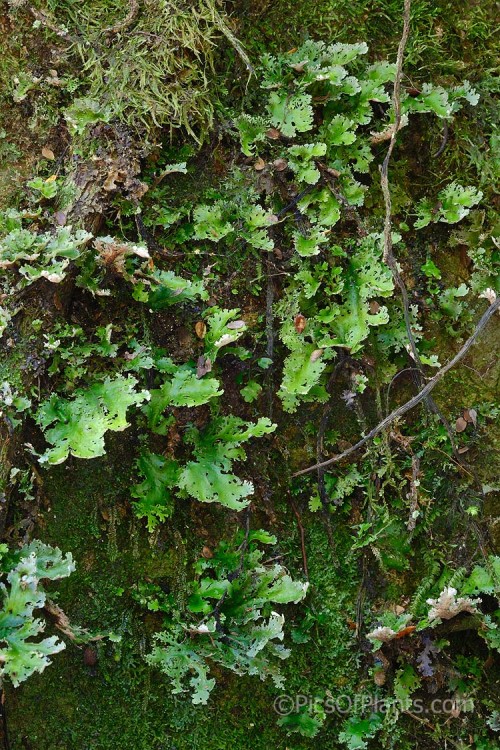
300,322
455,711
139,189
259,164
470,416
200,329
406,631
460,425
280,164
60,218
379,677
374,307
110,181
203,365
207,553
47,153
273,134
316,354
463,449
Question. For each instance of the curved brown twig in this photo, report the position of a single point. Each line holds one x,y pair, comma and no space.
388,251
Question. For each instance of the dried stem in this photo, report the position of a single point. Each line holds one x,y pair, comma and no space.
396,100
302,539
388,248
126,22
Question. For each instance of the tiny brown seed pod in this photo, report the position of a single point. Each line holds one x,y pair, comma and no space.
299,322
379,677
280,164
315,355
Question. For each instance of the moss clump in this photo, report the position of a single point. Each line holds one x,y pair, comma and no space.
147,64
124,704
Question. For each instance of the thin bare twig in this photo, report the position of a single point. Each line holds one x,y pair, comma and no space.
384,170
444,141
388,247
396,376
269,328
45,20
61,622
126,22
450,458
302,538
235,42
416,399
414,496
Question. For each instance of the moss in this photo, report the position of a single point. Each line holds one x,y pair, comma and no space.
146,64
446,37
24,122
125,704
